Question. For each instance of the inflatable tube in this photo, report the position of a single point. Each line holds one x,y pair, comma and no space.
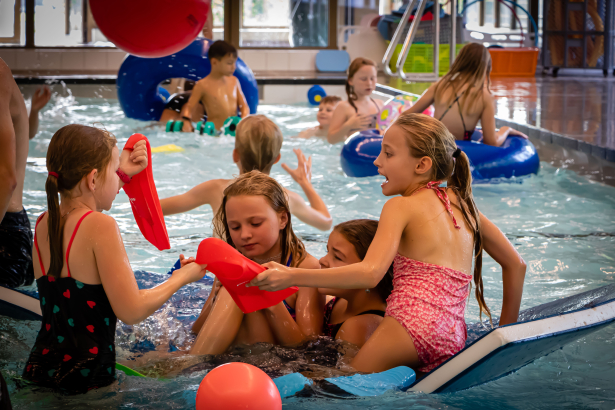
138,79
234,271
515,158
144,200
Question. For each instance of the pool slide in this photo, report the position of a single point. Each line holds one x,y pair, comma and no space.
489,353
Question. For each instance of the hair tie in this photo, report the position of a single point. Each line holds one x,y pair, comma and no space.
456,153
54,174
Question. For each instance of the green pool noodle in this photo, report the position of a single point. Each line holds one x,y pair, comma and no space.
128,370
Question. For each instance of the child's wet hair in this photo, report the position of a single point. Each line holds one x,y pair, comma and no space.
355,66
472,66
428,137
258,142
330,99
74,151
256,183
360,233
220,49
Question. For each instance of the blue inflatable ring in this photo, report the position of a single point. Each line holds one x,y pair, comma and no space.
139,78
515,158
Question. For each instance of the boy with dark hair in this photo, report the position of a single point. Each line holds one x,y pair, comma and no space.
219,92
325,112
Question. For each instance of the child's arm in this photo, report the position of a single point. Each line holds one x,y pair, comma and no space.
317,213
425,101
513,268
396,215
186,113
242,103
202,194
343,122
130,304
487,120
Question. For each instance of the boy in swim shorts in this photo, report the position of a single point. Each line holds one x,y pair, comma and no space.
325,112
219,92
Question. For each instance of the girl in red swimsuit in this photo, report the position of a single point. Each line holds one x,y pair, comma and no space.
462,97
83,275
434,237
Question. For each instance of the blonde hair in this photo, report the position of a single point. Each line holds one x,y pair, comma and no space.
472,66
256,183
258,142
355,66
428,137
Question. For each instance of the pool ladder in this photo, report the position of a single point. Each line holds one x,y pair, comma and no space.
401,59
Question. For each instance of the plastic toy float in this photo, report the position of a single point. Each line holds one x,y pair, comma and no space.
489,353
139,78
515,158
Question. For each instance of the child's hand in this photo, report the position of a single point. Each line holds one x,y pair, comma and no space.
303,173
40,98
191,272
517,133
135,161
276,277
187,126
184,261
361,121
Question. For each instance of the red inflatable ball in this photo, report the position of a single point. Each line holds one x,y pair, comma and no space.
150,28
234,386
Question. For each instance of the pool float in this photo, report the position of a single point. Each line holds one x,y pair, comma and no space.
234,271
167,148
144,200
394,107
230,126
515,158
146,35
202,127
138,79
488,354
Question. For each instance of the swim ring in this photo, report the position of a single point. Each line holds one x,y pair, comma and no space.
516,157
139,78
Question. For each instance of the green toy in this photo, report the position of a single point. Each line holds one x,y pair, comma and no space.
128,370
207,128
230,126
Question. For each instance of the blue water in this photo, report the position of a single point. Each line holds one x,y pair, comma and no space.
562,224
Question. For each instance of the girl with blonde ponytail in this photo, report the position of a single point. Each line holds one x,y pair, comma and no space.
434,236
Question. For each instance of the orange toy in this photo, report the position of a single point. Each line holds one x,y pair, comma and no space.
144,200
235,271
234,386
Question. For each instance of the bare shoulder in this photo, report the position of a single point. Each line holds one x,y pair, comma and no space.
344,107
100,223
309,262
293,196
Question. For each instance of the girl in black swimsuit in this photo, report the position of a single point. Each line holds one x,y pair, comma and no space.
353,314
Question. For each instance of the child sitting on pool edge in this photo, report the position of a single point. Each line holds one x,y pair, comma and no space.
219,92
257,147
325,112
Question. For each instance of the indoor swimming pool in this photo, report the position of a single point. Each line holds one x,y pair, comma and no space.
562,224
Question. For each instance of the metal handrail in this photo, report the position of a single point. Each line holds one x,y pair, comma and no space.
413,28
396,37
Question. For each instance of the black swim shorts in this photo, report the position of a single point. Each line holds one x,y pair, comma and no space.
16,250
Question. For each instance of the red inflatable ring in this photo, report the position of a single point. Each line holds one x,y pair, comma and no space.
150,28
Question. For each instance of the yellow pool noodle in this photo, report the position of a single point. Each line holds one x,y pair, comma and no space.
167,148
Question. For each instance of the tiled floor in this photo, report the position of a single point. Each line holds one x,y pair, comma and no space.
580,108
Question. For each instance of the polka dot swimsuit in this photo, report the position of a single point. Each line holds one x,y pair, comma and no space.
75,348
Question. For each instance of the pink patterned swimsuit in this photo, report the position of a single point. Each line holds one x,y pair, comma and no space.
429,302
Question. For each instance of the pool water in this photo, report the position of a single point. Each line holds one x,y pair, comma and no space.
562,224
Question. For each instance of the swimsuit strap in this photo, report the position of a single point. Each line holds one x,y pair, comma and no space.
290,260
375,103
460,114
40,260
441,192
450,106
70,243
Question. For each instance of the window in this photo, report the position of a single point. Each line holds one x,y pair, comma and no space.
284,23
12,22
